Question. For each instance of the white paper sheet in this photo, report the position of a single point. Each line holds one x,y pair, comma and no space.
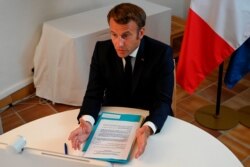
113,139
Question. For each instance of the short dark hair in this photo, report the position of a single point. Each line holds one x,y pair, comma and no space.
125,12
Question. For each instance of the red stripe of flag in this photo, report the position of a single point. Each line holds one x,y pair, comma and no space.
201,52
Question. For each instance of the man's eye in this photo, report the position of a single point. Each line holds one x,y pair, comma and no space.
124,36
114,35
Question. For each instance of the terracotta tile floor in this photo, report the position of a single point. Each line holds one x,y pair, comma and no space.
236,139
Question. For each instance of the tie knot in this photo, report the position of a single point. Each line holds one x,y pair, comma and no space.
127,59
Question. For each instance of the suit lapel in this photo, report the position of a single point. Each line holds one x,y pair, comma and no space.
139,65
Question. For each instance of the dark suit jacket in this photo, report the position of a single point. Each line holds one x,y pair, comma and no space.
152,81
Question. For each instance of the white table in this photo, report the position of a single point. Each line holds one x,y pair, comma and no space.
178,144
63,54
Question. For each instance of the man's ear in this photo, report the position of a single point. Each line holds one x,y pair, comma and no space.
142,32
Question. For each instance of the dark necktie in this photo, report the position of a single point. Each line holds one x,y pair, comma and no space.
128,73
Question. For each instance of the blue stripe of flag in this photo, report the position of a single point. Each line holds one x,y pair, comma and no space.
239,65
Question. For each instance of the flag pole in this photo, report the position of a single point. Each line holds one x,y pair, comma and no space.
219,88
223,117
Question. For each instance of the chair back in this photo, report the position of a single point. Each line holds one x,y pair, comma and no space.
174,91
1,127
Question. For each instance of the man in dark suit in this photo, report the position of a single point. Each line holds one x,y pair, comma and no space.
112,82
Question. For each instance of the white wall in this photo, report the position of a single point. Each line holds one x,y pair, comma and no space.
20,30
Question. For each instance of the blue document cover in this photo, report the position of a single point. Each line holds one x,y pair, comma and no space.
112,137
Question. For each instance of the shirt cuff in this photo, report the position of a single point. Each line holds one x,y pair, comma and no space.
151,125
89,119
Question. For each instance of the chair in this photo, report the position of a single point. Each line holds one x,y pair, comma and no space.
174,91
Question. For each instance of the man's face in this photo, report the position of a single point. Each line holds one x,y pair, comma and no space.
125,37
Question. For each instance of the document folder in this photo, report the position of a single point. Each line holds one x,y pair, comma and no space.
112,137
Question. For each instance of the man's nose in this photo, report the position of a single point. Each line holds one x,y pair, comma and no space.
121,41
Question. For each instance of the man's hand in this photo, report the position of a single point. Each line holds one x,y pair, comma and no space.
142,135
80,134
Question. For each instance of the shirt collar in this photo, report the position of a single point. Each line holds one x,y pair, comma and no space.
134,53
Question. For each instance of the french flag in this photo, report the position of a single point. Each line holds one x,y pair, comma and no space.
215,30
